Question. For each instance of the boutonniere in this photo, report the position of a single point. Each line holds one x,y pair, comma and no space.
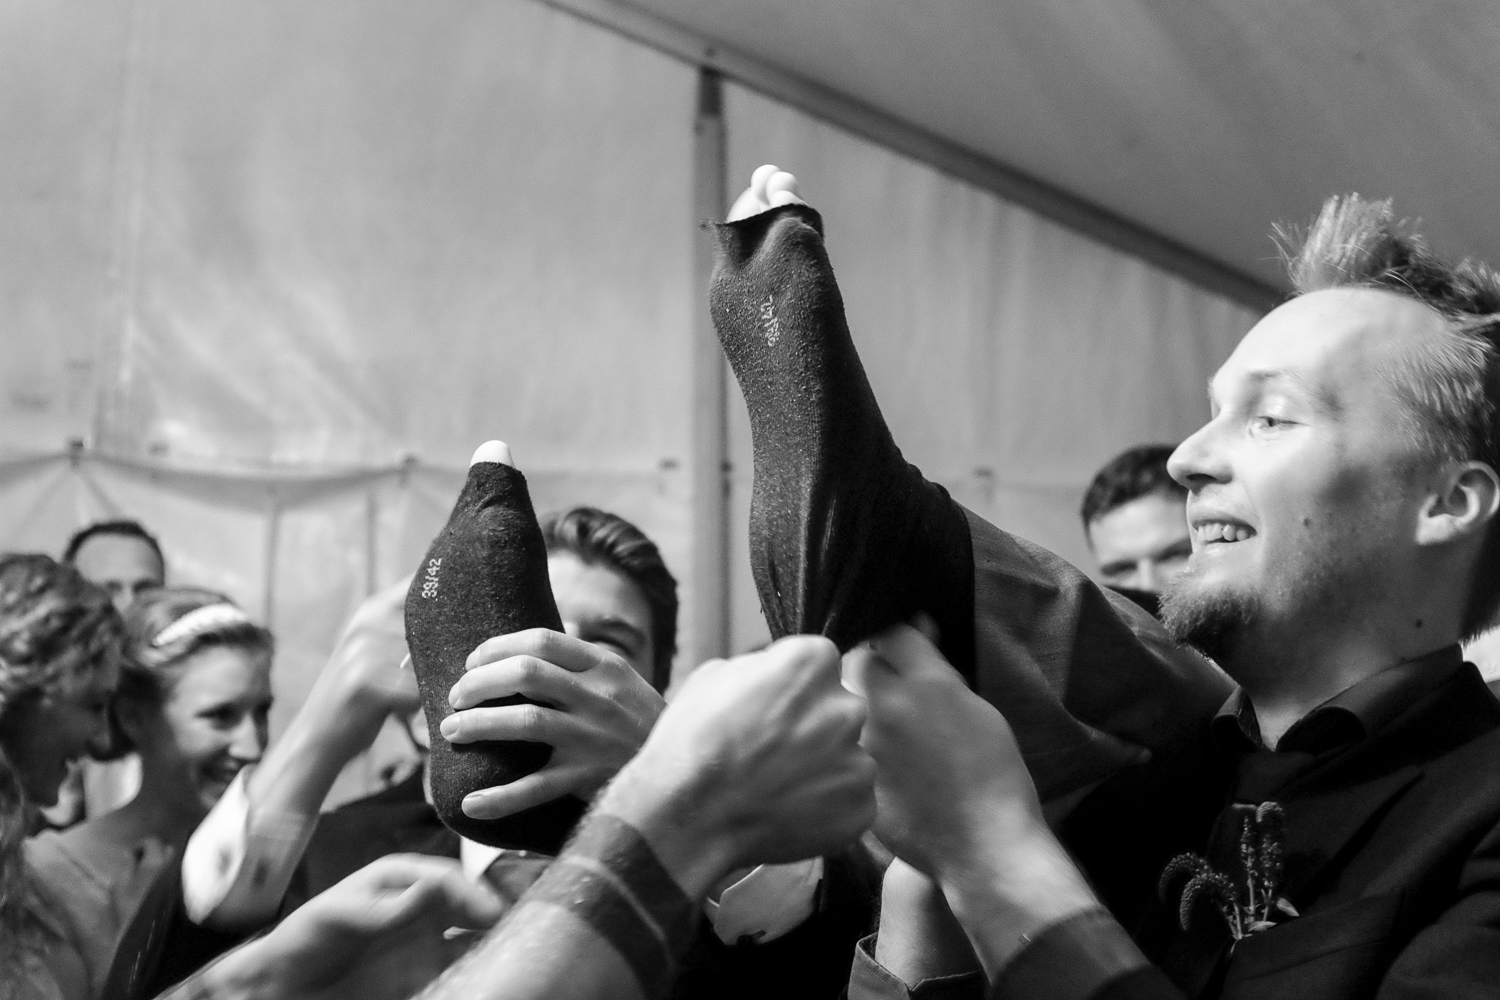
1250,900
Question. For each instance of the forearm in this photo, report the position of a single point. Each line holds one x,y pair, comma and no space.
333,726
919,939
1013,887
242,974
618,906
240,860
1037,927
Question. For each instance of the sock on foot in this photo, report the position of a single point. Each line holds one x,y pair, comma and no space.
846,537
485,575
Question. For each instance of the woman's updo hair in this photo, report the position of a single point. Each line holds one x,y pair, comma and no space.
56,629
160,636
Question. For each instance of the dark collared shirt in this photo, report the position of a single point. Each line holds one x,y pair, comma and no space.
1089,955
1345,719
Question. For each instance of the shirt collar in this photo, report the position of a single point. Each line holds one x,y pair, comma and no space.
1348,717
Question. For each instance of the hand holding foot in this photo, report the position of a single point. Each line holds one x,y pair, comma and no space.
586,702
485,575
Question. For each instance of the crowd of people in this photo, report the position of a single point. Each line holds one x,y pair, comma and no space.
1249,762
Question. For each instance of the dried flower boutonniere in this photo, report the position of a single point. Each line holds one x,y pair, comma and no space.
1250,901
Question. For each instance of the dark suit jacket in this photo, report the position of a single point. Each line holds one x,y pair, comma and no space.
1394,863
397,820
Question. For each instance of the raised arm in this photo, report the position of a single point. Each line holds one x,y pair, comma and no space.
263,823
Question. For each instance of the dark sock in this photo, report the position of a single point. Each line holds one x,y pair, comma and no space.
485,575
846,537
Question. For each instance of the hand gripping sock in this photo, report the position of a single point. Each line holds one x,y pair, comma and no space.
485,575
846,537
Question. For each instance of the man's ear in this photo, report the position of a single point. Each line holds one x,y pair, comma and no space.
1463,507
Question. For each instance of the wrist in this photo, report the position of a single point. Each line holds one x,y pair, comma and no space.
1015,883
242,974
694,851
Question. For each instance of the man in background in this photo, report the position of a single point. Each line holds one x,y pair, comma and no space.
121,556
1136,523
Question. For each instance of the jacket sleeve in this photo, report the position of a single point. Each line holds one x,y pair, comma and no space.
1085,957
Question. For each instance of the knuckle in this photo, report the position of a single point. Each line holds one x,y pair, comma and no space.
531,720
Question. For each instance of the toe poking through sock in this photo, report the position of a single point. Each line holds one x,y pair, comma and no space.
493,451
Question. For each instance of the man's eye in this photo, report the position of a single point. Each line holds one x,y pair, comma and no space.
1269,423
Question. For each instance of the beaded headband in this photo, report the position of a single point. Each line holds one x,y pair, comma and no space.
208,618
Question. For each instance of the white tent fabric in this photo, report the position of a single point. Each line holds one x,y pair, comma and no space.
279,267
282,267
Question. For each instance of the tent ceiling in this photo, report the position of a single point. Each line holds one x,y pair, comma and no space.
1204,122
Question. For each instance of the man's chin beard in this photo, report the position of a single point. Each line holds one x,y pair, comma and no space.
1214,622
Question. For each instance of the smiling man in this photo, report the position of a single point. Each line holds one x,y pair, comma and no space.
1337,827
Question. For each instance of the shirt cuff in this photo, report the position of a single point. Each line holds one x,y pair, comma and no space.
869,980
769,902
240,859
1073,959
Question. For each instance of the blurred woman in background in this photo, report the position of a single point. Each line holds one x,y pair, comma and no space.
59,652
193,700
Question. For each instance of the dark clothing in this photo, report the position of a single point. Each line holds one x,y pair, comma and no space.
1392,799
397,820
1391,793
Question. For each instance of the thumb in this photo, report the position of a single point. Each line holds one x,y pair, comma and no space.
910,653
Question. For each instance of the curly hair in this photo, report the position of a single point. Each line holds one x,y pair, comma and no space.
1450,385
597,536
57,630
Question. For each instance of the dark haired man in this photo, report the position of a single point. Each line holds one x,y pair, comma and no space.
1134,520
119,555
1339,819
613,588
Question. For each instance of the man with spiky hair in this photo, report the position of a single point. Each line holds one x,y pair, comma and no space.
1335,831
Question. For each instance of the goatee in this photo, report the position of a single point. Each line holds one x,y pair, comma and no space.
1212,623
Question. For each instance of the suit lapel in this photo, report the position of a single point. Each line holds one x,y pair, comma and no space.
1321,823
1328,806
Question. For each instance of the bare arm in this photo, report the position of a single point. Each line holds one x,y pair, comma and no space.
264,822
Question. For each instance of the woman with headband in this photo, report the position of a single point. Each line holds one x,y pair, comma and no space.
194,693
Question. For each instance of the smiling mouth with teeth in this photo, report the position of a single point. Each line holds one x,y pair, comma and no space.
1222,531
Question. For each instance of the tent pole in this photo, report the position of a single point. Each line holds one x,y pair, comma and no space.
710,482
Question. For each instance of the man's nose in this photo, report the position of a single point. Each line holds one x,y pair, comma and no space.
1200,459
1148,576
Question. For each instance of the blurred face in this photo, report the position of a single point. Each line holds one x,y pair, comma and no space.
44,733
123,565
213,723
1304,487
603,606
1143,544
